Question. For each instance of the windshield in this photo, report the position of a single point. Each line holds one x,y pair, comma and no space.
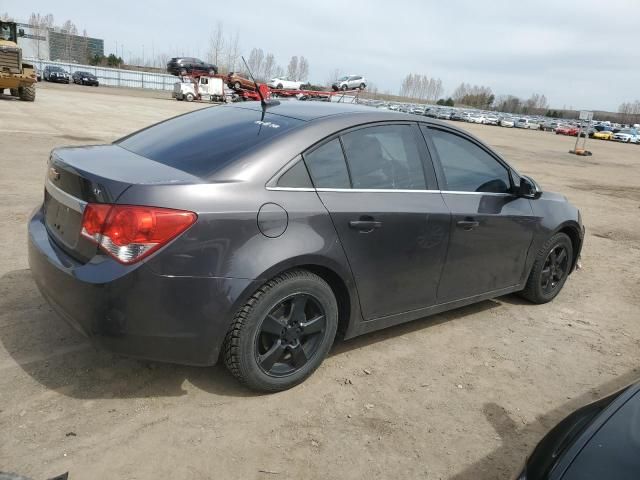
342,79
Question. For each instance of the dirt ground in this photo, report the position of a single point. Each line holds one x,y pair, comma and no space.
462,395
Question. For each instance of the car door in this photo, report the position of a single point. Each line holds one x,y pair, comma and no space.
391,220
491,227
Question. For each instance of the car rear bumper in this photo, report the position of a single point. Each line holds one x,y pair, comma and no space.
133,310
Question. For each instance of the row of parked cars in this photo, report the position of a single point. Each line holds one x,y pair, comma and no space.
598,130
56,74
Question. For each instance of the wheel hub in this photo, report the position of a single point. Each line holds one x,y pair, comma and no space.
291,334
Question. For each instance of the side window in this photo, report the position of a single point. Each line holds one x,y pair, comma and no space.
296,177
467,167
385,157
327,166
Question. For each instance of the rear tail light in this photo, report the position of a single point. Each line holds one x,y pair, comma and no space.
130,232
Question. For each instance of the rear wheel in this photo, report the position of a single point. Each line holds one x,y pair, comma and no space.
27,94
362,85
279,87
13,92
550,270
344,87
283,333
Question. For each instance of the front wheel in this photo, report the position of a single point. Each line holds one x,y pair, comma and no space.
27,94
550,269
283,333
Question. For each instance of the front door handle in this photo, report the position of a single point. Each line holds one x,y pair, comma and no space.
468,224
365,226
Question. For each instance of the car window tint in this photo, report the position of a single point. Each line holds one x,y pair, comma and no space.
204,141
296,177
327,166
467,167
385,157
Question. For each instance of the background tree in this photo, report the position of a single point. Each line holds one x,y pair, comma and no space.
39,25
303,69
292,68
69,30
256,57
216,45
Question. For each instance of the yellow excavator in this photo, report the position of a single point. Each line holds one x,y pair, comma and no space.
18,77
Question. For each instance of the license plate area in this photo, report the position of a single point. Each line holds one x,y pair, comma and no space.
62,221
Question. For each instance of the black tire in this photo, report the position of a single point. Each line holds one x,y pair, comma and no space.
237,86
13,92
183,72
266,337
362,86
546,279
344,88
27,94
280,86
212,71
189,97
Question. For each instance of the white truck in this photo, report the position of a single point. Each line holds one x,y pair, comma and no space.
200,88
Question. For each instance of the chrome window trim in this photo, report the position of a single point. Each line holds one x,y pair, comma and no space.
458,192
64,198
382,190
374,190
292,189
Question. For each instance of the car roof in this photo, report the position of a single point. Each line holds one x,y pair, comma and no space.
310,110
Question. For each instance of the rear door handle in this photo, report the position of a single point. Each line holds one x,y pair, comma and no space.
365,226
468,224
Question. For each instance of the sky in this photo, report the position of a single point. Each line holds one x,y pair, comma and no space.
581,54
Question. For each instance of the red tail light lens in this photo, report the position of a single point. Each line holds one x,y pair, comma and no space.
130,232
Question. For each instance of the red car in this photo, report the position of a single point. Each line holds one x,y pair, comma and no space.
567,130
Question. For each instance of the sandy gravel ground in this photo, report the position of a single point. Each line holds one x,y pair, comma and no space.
462,395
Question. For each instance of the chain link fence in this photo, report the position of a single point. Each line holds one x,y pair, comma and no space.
114,77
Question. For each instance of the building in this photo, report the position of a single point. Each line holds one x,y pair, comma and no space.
57,45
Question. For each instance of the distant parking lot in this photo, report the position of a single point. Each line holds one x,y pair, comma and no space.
461,395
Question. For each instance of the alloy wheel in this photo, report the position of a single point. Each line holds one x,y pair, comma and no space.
555,268
290,335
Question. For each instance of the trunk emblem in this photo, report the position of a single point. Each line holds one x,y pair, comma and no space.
54,174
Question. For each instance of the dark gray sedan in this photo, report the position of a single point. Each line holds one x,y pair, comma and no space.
259,235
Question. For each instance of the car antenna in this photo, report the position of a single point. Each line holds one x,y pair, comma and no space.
263,101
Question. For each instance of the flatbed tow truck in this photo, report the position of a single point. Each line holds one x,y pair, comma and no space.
214,88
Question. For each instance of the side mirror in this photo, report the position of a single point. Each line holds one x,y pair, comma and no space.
21,32
529,188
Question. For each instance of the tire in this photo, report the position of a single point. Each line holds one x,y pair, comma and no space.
189,97
27,94
237,86
535,290
212,72
344,88
268,322
362,86
279,86
13,92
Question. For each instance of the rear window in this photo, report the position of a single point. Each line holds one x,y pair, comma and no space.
203,142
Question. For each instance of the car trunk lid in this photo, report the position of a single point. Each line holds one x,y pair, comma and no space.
94,174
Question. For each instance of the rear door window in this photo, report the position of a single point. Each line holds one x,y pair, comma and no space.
385,157
203,142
